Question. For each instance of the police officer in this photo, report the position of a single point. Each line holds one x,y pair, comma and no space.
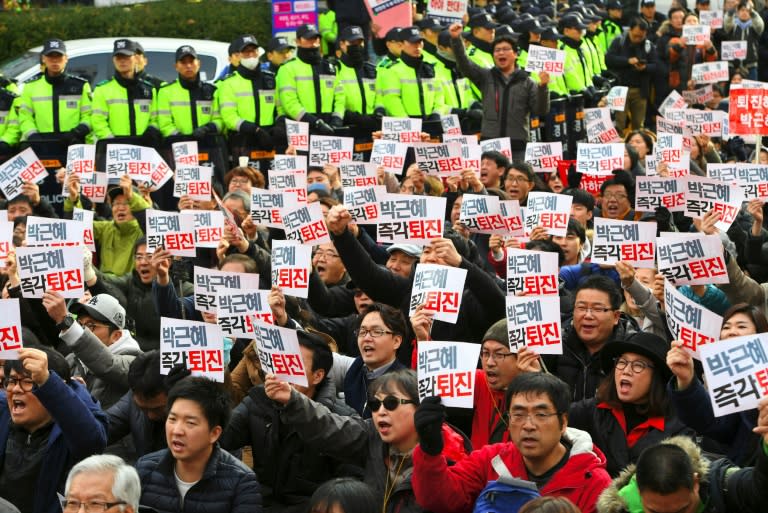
306,85
141,67
123,106
612,24
234,58
394,48
279,50
55,104
357,78
411,89
430,30
9,121
481,36
247,97
188,106
577,69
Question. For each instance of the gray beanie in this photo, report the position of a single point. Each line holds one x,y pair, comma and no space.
497,332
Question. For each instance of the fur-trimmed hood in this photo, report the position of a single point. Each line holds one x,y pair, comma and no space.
611,501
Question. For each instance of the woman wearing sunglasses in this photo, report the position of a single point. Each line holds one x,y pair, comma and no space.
382,445
631,410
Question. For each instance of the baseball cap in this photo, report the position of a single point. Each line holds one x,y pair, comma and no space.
444,38
137,47
246,40
703,2
410,34
647,2
393,34
572,20
307,31
278,44
533,26
352,33
506,30
613,4
104,308
54,46
551,34
483,20
431,23
409,249
123,47
184,51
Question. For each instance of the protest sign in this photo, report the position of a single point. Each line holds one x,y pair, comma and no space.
752,178
710,72
592,183
447,11
209,282
363,203
292,184
439,288
513,217
46,231
734,50
266,206
404,130
501,144
94,187
19,169
602,131
705,122
296,164
198,346
736,371
280,354
471,156
543,157
451,125
59,269
389,154
410,218
701,95
326,149
238,309
686,259
305,224
10,329
534,322
185,154
690,322
358,174
86,218
81,159
599,159
447,369
6,240
128,159
291,263
541,58
632,242
705,194
617,98
443,159
209,227
194,182
298,134
674,100
482,214
747,111
531,273
388,14
712,18
173,231
696,34
548,210
652,192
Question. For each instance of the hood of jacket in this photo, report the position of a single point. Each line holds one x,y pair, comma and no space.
622,496
126,344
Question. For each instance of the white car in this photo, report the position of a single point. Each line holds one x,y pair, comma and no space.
92,58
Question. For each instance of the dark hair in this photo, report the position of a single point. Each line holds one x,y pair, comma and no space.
638,22
404,380
459,242
581,197
391,317
549,246
743,4
141,241
504,38
523,167
624,179
56,361
144,376
21,198
345,494
646,138
751,311
577,229
658,400
249,264
322,358
664,469
549,504
210,395
541,383
603,284
254,175
497,157
675,9
19,220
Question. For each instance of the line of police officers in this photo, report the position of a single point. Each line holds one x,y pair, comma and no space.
418,77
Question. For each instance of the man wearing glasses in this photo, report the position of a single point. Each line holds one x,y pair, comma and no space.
559,460
102,349
102,483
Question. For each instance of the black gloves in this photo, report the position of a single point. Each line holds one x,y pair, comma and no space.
264,140
322,128
248,128
202,132
5,148
433,117
151,136
37,136
429,419
76,135
336,122
475,114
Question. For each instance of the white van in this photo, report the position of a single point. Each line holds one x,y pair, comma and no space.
92,58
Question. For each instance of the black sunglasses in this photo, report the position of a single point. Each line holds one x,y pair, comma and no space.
390,403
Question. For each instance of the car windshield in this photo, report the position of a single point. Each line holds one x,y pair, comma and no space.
13,67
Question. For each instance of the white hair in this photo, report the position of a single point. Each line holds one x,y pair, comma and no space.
126,486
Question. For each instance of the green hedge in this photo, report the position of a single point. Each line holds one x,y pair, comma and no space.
210,19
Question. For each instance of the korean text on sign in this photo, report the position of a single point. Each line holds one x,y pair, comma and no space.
543,157
690,322
10,329
548,210
531,273
447,369
652,192
389,154
238,309
174,231
633,242
209,227
534,322
266,206
324,149
409,218
482,214
363,203
42,268
291,262
705,194
541,58
439,288
306,224
279,353
691,260
44,231
198,346
208,282
22,168
298,134
81,158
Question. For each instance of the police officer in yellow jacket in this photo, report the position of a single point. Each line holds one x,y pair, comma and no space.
188,106
124,105
411,88
577,69
55,103
9,121
357,78
247,97
306,86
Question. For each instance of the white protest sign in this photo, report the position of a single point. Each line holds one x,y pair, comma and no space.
548,210
690,322
710,72
363,203
696,34
482,214
280,354
389,154
705,122
451,125
208,282
633,242
668,148
541,58
292,184
174,231
185,154
305,224
410,218
752,178
674,100
534,322
501,144
129,159
58,269
701,95
86,218
711,17
94,187
439,288
209,227
358,174
290,267
543,157
23,167
194,182
686,259
266,207
326,149
81,159
447,11
652,192
10,329
736,371
46,231
705,194
447,369
532,273
6,240
238,309
602,131
513,217
198,346
298,134
617,98
599,159
296,164
734,50
471,156
404,130
443,159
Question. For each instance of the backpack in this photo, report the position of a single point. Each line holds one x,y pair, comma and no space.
505,495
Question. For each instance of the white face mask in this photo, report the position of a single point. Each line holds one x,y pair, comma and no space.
249,62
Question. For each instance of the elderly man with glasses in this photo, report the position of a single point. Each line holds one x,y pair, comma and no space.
101,483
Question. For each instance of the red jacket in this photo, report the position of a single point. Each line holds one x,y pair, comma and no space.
486,420
455,489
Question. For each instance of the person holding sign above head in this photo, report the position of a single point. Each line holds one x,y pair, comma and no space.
509,96
676,477
746,25
382,445
560,460
194,473
691,400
